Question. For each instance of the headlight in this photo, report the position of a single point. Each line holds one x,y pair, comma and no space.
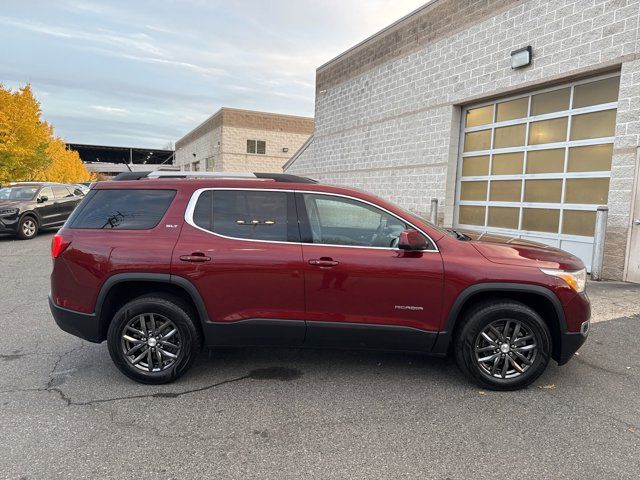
576,279
8,211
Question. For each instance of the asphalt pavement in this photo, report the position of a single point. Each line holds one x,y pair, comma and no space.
66,412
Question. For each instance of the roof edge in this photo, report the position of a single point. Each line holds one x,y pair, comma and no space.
379,33
220,112
300,151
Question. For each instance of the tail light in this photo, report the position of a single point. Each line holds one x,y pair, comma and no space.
58,245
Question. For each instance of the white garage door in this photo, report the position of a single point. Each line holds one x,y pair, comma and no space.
538,165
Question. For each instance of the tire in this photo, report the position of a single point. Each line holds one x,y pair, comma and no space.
27,228
156,309
491,373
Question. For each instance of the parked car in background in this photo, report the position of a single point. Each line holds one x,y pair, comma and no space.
160,266
27,207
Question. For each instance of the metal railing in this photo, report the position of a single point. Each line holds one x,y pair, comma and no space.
598,242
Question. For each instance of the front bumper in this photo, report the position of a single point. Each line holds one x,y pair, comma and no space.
83,325
570,342
9,225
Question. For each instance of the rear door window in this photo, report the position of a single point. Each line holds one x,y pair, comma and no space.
60,192
248,214
122,209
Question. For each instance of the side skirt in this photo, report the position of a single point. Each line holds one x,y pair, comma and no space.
298,333
260,331
369,336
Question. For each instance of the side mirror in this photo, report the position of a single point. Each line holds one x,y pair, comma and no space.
43,199
412,240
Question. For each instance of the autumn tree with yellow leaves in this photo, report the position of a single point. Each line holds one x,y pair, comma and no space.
29,150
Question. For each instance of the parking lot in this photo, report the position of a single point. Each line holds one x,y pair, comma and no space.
66,412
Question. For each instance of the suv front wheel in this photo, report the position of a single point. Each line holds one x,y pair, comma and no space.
503,345
27,228
153,339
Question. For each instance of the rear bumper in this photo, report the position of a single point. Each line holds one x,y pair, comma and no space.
83,325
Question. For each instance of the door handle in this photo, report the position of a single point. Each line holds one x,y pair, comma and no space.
323,262
195,257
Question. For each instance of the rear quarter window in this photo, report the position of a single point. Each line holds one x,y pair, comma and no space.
122,209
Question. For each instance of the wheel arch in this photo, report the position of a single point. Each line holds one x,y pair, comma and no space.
536,297
123,287
33,214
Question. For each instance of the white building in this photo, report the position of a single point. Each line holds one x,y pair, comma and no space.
242,141
432,107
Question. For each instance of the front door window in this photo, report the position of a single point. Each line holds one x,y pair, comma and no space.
337,220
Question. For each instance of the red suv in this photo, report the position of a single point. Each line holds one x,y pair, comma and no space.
159,266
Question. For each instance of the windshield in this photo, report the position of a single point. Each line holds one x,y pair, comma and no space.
18,193
443,231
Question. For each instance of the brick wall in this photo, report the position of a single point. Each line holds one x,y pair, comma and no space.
390,122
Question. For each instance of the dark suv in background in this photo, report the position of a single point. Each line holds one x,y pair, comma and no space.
161,266
26,207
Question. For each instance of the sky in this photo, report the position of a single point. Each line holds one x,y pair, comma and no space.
143,73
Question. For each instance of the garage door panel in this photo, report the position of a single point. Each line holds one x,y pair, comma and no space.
507,163
590,158
512,110
546,161
475,166
549,102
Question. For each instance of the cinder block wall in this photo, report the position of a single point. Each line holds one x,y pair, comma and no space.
234,149
388,111
205,144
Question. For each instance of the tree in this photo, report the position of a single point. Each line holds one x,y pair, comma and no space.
65,166
23,136
28,148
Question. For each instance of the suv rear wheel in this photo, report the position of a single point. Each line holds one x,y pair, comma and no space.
153,339
503,345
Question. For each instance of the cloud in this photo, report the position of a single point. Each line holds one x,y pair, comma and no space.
106,109
119,44
166,66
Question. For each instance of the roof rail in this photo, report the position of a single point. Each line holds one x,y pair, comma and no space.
278,177
169,174
285,177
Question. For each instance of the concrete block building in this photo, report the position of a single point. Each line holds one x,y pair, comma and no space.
242,141
521,117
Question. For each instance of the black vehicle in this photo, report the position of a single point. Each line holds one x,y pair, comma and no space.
27,207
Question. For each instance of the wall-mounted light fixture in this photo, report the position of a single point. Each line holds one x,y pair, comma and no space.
194,155
521,57
285,149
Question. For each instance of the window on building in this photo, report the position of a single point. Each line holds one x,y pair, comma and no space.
195,166
258,147
251,215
